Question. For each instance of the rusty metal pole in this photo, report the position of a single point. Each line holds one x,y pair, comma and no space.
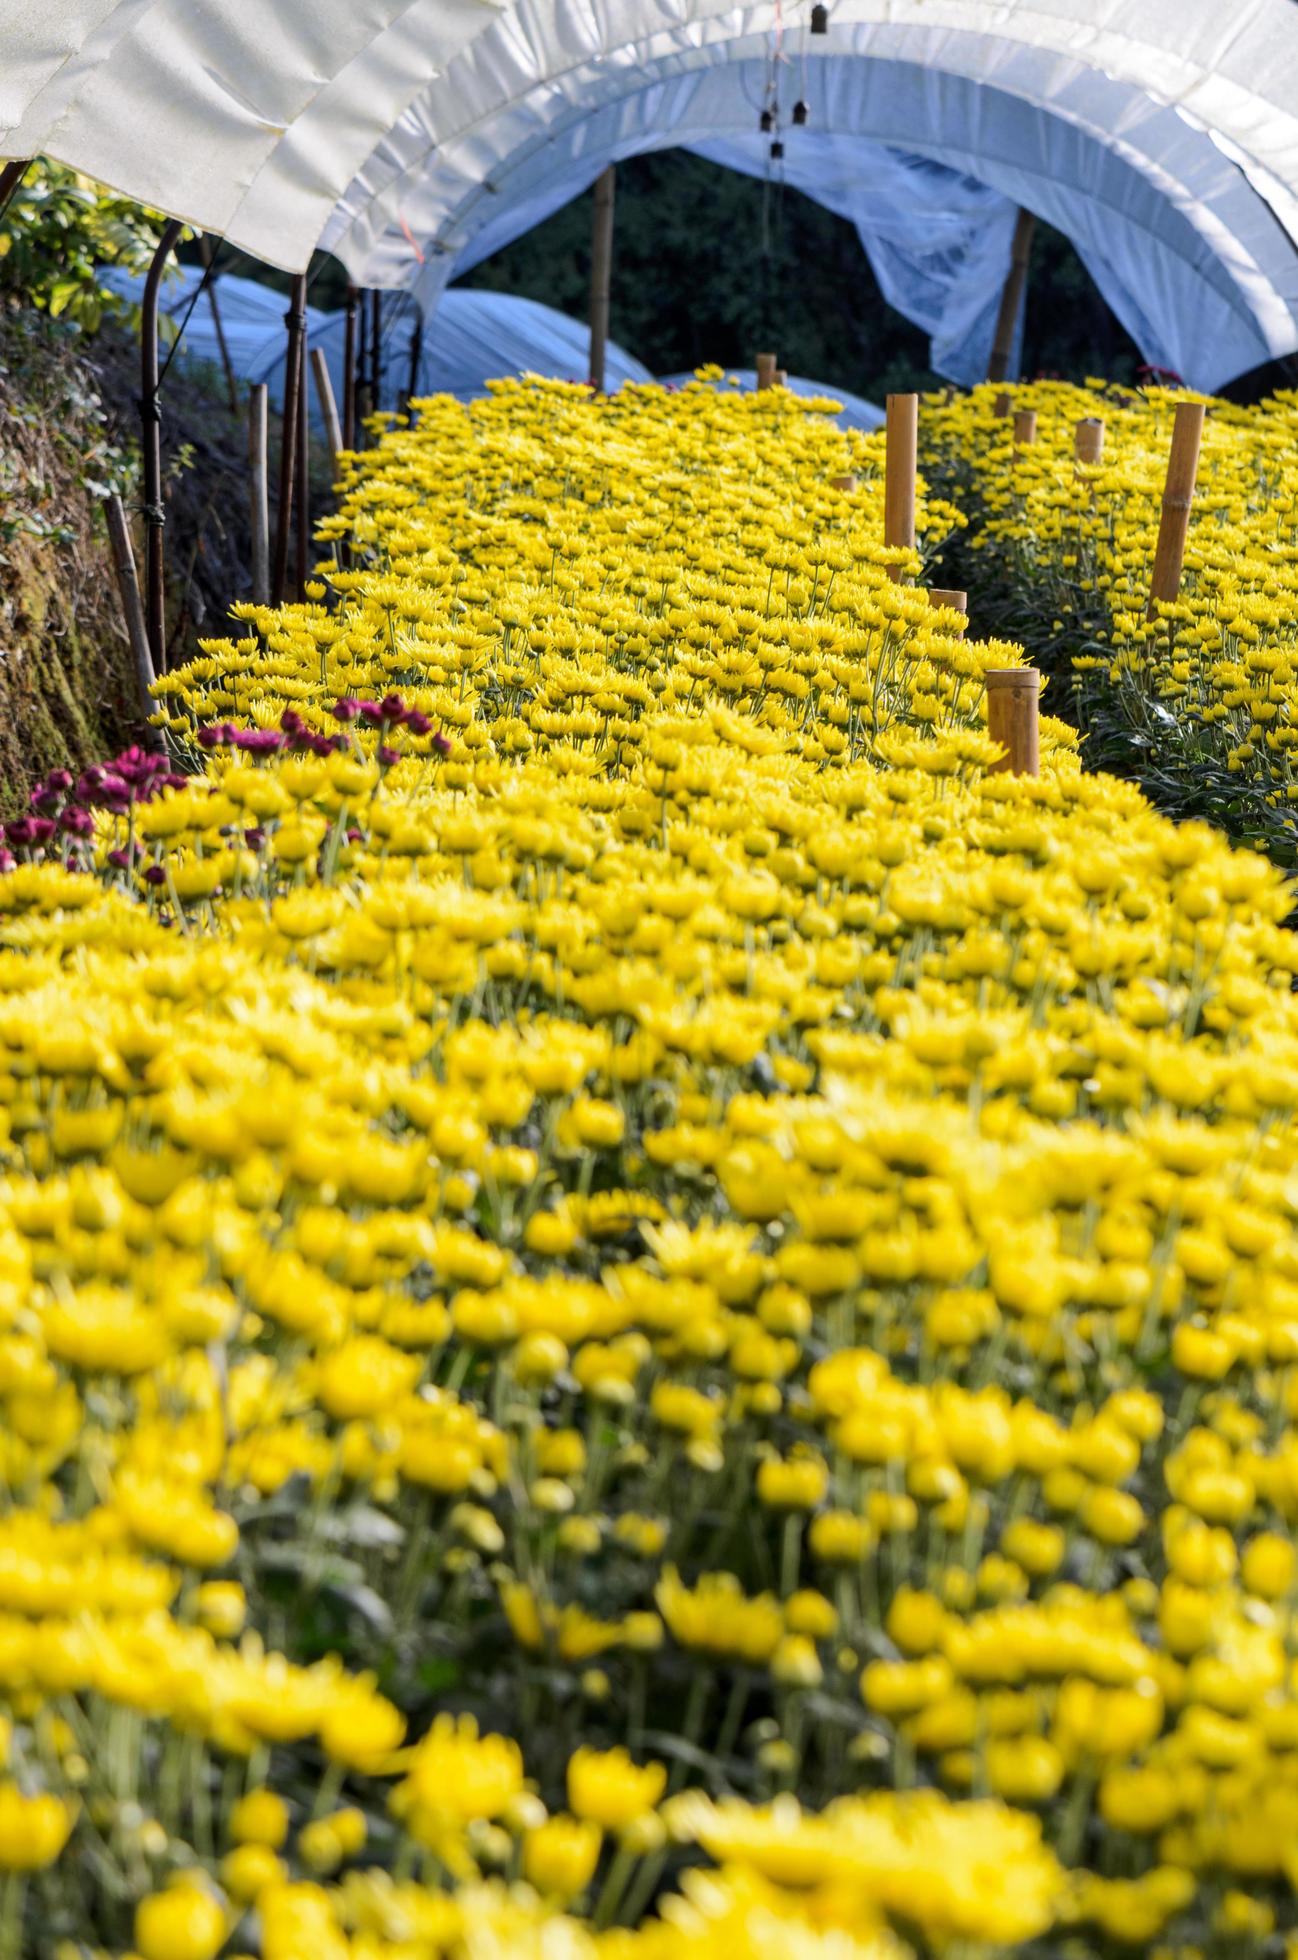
601,274
155,515
349,372
11,177
295,321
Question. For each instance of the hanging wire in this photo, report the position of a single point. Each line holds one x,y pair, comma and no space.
198,292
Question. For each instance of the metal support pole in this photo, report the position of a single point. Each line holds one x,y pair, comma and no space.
601,274
361,381
259,465
155,515
1011,297
416,356
303,474
295,321
11,177
349,372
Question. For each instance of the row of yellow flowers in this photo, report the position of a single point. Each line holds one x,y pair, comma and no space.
646,1312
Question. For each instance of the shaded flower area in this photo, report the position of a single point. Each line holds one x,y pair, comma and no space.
648,1311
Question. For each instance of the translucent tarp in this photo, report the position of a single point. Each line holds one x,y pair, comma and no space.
854,412
1161,134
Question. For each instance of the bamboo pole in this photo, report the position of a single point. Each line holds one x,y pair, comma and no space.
1011,297
1013,696
601,274
259,467
11,177
847,484
128,586
1088,440
376,351
295,321
361,382
766,370
416,356
941,595
349,371
155,514
1178,497
1025,427
328,409
1002,405
231,385
900,451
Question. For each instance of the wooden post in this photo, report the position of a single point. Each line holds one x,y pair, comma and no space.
349,372
847,484
328,409
155,514
1011,297
1002,405
941,595
1178,496
1088,440
1025,427
601,274
1012,701
376,351
259,465
900,449
128,585
766,370
295,320
781,377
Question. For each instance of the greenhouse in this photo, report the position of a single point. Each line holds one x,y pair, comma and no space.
648,980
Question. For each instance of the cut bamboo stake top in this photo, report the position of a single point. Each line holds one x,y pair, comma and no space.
1002,405
845,483
942,595
601,274
1013,695
1025,427
259,466
766,370
1178,496
1011,297
324,388
1088,440
128,585
900,448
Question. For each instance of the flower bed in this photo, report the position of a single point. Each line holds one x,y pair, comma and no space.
648,1312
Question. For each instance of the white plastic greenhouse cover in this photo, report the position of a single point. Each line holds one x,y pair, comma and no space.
408,134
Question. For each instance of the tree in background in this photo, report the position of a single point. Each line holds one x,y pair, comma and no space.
56,235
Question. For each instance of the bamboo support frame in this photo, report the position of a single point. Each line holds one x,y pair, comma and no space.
601,274
259,470
1178,498
155,515
900,453
1013,700
328,409
295,321
128,586
1012,297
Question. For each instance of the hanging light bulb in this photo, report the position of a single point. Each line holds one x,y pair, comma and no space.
767,122
819,19
800,113
777,149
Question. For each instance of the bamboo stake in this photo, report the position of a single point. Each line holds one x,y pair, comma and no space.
328,409
11,177
847,484
1011,297
1002,405
1013,695
900,449
128,586
1178,497
1025,427
376,351
766,370
258,459
416,356
231,385
1088,440
303,557
601,274
941,595
155,511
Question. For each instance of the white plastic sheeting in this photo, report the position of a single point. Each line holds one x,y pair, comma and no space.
854,412
472,338
423,115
